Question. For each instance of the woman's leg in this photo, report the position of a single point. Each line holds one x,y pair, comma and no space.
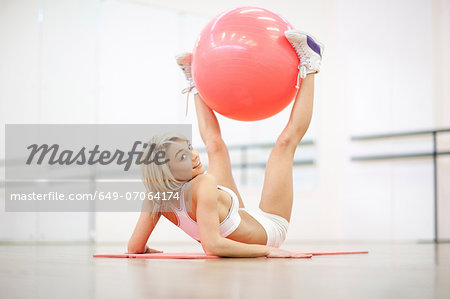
277,193
218,156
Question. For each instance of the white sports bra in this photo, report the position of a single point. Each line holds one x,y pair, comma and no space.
228,225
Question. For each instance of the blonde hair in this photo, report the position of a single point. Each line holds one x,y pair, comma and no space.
159,178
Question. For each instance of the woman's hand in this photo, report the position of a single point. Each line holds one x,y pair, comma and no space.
282,253
146,250
150,250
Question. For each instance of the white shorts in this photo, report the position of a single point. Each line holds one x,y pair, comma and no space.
275,226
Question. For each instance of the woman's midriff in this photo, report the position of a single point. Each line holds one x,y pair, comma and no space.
249,230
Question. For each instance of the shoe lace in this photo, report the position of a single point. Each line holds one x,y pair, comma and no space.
301,51
186,68
187,91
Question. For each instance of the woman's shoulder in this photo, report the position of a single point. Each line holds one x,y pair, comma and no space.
204,178
203,182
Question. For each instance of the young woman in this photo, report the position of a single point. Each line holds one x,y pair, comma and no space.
215,215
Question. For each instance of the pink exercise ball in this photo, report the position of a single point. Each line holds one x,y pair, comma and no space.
243,66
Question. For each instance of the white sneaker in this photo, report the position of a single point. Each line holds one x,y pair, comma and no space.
184,62
308,49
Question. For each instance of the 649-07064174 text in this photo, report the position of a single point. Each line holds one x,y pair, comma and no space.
97,195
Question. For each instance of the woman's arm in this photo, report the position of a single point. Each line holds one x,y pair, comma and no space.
208,225
144,227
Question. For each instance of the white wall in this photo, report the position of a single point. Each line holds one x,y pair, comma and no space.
385,50
47,75
385,69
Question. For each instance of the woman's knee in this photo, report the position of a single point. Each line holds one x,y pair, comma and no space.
215,145
288,139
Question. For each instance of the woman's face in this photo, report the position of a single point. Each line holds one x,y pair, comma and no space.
184,161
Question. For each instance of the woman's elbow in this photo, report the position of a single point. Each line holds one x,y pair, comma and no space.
212,247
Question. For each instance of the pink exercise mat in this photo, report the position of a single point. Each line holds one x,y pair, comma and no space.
200,255
330,252
177,255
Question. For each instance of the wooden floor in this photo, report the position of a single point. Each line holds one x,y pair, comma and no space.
388,271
